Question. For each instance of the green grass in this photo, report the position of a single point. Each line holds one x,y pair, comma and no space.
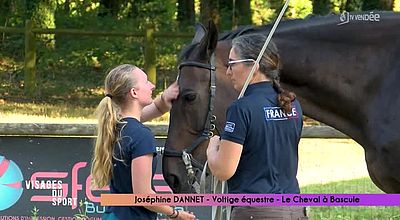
362,185
11,112
48,110
44,113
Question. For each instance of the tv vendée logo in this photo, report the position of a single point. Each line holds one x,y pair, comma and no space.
346,17
10,183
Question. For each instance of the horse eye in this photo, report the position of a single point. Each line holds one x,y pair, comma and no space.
190,97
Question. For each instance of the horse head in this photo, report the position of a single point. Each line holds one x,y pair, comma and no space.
194,117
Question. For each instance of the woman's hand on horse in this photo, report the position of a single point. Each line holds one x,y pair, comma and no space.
186,215
171,93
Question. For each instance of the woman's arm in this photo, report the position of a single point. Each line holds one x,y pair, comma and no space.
223,157
161,104
141,184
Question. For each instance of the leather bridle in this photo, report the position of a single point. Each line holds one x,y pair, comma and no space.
208,131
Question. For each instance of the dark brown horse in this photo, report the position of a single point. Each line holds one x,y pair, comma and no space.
346,76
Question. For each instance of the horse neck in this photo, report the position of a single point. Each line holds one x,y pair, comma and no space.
335,70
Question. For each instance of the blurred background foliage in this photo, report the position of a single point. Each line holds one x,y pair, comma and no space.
71,68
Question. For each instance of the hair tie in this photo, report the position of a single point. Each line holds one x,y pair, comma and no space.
109,96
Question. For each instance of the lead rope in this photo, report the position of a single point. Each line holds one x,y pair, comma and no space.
221,186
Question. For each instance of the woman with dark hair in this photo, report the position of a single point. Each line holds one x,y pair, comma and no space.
258,150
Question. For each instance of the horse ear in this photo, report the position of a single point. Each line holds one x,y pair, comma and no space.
200,33
209,42
212,36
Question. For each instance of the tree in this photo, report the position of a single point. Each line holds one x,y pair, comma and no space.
242,12
370,5
276,5
396,5
321,7
41,12
110,7
186,14
226,10
261,13
353,5
226,14
4,11
66,6
154,15
209,10
386,5
299,9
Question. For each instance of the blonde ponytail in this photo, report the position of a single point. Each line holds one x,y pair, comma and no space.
107,115
118,82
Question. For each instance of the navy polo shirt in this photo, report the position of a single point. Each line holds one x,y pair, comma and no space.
270,139
135,140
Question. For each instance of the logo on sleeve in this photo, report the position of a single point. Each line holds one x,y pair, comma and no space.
277,114
229,127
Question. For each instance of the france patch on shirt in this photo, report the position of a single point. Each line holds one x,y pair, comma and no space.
229,127
277,114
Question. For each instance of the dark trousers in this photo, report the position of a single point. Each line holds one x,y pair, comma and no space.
269,212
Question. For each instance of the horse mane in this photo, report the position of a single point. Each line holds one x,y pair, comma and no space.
229,35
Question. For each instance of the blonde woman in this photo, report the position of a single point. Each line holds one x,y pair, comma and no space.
124,153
